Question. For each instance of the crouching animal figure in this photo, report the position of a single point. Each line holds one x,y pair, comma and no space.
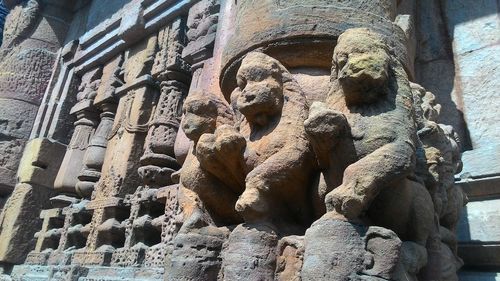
364,137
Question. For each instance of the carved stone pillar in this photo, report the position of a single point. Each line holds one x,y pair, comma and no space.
86,116
106,102
286,31
125,146
202,24
158,161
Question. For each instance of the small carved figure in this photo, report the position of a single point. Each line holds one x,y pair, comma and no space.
204,112
441,161
279,160
370,159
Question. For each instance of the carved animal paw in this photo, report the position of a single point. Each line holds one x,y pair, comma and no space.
228,140
251,205
205,148
345,201
324,124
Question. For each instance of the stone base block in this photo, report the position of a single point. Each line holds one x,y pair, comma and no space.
123,274
341,250
35,258
196,256
60,258
128,257
480,255
92,258
250,254
79,273
20,220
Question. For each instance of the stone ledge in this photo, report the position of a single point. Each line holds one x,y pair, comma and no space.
484,256
479,189
480,163
479,222
82,273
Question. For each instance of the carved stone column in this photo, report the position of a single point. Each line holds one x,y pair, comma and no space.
125,146
143,228
106,102
29,50
158,161
31,41
86,116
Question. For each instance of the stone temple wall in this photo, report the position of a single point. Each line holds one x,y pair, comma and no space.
250,140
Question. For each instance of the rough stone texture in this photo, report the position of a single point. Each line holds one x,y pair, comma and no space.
250,253
220,141
196,255
27,56
290,258
373,254
21,206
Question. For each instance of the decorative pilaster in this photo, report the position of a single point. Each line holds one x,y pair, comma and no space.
106,101
86,116
158,161
119,169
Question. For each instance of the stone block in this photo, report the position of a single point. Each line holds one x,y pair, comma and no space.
372,253
480,255
473,24
19,221
16,120
250,254
480,81
40,162
479,222
196,256
481,163
481,189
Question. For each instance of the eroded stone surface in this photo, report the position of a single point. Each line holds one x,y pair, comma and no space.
218,140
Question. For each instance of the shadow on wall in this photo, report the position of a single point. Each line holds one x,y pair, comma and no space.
100,10
474,27
435,65
457,42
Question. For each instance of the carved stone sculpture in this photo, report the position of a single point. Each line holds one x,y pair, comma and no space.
273,109
441,161
203,112
364,137
375,153
219,140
